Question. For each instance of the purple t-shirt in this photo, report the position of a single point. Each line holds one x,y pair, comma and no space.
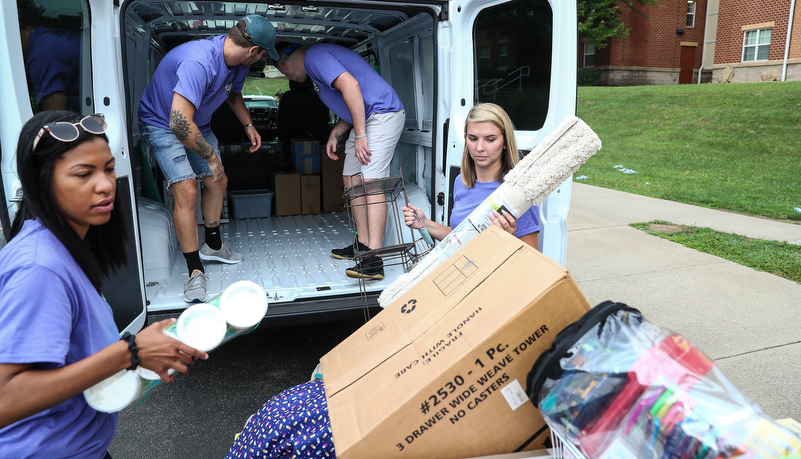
52,316
197,71
325,62
53,64
465,200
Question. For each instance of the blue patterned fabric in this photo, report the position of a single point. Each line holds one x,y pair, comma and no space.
293,424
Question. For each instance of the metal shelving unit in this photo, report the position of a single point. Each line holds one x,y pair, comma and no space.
404,253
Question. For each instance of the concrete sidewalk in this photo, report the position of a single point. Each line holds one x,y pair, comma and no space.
749,322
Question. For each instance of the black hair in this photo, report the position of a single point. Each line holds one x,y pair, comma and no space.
102,250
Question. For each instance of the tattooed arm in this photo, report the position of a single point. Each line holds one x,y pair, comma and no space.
237,104
183,126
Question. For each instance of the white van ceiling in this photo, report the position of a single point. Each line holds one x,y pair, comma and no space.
346,24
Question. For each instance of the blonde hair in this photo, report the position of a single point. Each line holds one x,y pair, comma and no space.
490,113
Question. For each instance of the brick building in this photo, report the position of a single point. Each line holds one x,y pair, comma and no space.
752,37
677,38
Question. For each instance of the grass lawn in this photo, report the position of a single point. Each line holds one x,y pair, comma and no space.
727,146
264,86
779,258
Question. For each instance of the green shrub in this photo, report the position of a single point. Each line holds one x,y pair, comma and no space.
589,77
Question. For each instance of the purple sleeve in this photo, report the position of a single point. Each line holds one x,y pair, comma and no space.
192,81
529,222
323,67
35,322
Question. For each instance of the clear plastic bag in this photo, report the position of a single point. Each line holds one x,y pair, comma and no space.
629,389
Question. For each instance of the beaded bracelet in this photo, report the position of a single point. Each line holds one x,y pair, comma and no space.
131,339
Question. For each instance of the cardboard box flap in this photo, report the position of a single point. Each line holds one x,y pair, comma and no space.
417,310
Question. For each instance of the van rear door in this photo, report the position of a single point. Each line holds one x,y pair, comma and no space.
61,54
521,55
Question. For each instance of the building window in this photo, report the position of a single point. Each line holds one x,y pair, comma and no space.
756,45
503,56
589,54
690,13
483,53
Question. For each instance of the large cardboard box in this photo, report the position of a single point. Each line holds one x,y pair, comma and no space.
310,194
307,155
441,372
287,193
331,184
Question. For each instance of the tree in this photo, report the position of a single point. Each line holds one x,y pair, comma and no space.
599,20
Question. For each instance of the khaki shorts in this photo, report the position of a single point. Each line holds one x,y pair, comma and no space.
383,132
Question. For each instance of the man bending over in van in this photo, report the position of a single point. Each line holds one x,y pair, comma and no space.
190,83
355,92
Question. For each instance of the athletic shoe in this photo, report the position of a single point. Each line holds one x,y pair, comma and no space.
369,268
224,255
348,252
195,287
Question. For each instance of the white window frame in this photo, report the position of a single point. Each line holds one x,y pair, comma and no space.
691,5
757,46
585,54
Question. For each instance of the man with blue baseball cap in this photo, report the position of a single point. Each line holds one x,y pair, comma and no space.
190,83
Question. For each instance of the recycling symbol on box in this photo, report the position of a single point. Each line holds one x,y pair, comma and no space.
409,306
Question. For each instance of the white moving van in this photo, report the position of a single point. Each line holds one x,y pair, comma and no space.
441,56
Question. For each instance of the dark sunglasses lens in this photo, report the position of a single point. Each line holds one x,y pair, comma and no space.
94,124
65,132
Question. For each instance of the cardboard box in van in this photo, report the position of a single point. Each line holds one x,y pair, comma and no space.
287,194
331,182
307,155
310,194
442,371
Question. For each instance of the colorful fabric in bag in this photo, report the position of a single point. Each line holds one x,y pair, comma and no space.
293,424
616,386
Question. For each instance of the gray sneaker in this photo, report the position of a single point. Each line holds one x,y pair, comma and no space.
195,287
224,255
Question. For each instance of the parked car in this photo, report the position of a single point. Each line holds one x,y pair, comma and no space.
264,112
441,56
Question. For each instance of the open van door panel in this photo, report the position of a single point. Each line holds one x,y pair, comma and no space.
520,55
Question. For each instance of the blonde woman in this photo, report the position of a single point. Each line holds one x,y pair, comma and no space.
490,153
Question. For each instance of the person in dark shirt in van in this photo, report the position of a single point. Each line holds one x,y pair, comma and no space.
190,83
357,94
52,59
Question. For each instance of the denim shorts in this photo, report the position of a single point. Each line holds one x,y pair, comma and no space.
177,162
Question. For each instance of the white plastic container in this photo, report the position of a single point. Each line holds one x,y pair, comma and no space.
205,326
114,393
243,304
201,326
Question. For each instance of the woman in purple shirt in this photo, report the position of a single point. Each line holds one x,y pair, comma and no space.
489,154
57,333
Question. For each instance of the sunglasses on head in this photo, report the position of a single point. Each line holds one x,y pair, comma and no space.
68,132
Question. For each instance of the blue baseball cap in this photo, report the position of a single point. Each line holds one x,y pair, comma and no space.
261,33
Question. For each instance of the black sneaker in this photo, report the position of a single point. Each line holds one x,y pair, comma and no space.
369,268
347,253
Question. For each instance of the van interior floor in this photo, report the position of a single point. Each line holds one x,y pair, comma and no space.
290,257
